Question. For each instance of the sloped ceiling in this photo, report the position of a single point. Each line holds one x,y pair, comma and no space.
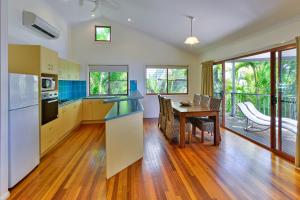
216,20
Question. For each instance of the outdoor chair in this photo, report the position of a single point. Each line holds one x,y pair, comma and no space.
254,118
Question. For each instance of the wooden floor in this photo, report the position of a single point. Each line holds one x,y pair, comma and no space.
237,169
74,170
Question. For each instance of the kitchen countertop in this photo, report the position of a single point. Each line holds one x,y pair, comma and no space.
123,105
61,104
124,108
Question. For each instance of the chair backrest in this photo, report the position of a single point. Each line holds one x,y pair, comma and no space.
169,109
215,103
164,106
197,99
160,103
204,100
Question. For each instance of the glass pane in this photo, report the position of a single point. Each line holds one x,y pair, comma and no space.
218,85
102,33
118,76
248,97
98,83
287,101
177,81
118,87
118,83
156,80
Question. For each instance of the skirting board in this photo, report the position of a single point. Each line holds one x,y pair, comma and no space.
5,196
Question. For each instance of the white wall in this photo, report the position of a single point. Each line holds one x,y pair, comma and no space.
19,34
132,48
261,40
3,102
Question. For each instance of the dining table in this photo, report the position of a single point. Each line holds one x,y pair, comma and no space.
193,110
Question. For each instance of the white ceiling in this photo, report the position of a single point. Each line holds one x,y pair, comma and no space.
216,20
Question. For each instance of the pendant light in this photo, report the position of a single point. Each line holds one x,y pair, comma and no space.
192,40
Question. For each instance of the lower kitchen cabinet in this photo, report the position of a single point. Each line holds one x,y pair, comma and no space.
94,110
69,117
49,135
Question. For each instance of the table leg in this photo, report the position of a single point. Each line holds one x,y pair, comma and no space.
182,131
217,136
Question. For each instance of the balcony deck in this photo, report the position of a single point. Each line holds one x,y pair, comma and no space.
238,125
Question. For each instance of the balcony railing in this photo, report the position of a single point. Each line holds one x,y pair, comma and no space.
261,102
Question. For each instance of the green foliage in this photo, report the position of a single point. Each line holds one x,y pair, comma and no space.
102,33
177,80
161,80
252,83
107,83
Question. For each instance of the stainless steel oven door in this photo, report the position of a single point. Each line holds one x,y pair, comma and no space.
49,110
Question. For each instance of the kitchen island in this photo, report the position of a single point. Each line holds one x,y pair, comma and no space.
124,132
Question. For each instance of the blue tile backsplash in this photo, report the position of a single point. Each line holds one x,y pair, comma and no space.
71,89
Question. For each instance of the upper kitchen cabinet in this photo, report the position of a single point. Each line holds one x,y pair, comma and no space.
32,59
24,59
68,70
49,61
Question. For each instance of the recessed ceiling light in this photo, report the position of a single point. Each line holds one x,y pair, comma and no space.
93,15
129,20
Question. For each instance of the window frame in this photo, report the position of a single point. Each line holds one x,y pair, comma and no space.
109,91
100,26
167,67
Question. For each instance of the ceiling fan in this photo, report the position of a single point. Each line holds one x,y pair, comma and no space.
101,3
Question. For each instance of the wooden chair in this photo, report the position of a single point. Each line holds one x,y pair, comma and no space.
204,100
197,99
160,110
172,123
206,124
164,115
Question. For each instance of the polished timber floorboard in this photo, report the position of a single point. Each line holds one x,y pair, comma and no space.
237,169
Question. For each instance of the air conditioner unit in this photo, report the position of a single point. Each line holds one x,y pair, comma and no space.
36,23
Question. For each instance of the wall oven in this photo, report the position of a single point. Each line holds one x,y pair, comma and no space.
49,106
48,83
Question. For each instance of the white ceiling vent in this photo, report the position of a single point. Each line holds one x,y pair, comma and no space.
36,23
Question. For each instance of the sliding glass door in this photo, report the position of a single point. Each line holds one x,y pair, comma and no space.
259,98
247,83
286,107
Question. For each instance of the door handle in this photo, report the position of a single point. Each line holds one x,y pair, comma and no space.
273,100
52,101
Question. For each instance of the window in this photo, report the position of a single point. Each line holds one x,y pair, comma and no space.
105,81
166,80
103,33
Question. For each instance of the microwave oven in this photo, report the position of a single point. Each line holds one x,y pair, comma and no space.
48,83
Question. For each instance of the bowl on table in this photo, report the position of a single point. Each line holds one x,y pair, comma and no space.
185,103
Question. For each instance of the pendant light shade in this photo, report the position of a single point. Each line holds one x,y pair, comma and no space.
191,40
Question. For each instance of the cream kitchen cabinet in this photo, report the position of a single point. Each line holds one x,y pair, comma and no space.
69,117
49,61
68,70
94,109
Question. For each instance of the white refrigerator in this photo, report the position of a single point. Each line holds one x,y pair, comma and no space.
24,153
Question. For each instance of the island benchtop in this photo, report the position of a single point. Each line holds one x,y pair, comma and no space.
124,108
122,105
